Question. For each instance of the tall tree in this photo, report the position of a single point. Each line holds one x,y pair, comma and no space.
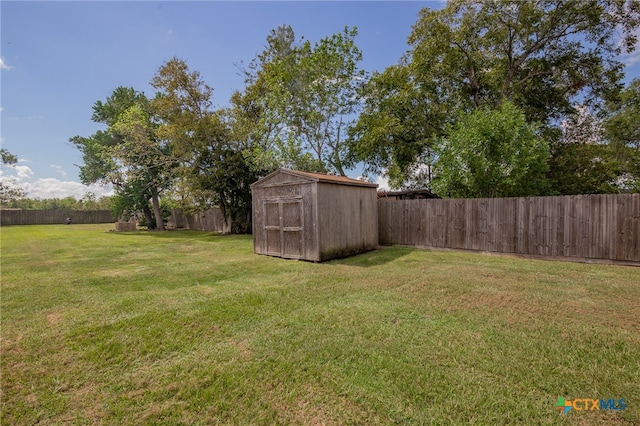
214,168
401,120
142,157
256,116
541,55
303,97
124,153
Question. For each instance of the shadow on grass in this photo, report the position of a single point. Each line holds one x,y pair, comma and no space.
183,234
381,256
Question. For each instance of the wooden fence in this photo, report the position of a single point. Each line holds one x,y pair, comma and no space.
53,216
576,226
210,220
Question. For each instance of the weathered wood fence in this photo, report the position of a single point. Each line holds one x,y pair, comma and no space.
210,220
575,226
53,216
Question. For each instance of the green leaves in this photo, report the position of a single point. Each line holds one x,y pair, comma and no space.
491,153
542,56
211,146
584,169
128,154
301,99
9,191
400,119
623,124
7,157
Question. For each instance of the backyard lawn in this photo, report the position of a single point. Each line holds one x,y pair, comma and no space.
185,327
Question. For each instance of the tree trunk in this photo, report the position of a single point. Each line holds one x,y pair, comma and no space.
147,216
155,200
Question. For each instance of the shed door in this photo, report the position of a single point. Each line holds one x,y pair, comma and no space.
283,227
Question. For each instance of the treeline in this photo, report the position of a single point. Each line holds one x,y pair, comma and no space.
491,99
88,203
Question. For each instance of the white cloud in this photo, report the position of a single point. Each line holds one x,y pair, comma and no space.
3,65
59,169
383,183
23,172
23,177
56,188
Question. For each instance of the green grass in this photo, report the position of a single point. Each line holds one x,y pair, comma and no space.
193,328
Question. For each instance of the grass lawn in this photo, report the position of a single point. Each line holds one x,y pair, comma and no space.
188,327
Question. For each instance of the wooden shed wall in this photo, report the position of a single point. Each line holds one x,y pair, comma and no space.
347,219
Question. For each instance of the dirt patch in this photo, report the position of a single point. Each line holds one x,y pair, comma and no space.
312,405
54,318
241,347
205,289
11,345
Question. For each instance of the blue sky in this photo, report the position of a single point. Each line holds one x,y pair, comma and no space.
59,58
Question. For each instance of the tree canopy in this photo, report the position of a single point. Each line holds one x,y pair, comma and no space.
492,98
127,154
303,97
492,153
542,56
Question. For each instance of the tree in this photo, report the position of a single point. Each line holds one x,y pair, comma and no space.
142,157
542,55
127,154
582,127
491,153
622,126
622,129
583,162
215,168
304,96
7,157
583,168
9,191
396,132
255,114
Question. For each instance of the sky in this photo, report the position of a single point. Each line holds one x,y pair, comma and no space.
58,58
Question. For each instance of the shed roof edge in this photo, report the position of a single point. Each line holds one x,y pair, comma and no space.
317,177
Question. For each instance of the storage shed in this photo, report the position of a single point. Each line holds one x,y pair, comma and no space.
312,216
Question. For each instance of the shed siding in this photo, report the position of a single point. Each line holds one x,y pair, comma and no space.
348,220
289,190
313,217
